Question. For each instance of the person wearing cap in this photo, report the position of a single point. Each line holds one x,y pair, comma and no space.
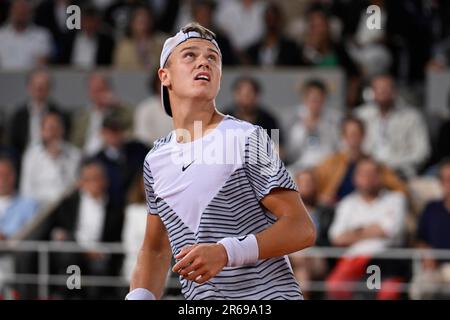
218,196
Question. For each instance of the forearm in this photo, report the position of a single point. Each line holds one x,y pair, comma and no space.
151,271
288,234
350,237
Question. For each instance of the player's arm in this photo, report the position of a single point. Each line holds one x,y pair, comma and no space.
293,230
153,260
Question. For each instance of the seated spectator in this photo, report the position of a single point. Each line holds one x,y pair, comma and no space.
141,46
88,47
246,106
314,134
203,12
49,168
395,134
25,126
319,50
24,45
242,21
434,232
52,15
335,173
273,49
307,269
88,216
441,148
367,221
118,15
368,47
87,124
15,209
151,122
134,226
121,158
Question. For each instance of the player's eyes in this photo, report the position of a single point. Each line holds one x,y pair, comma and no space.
212,57
188,55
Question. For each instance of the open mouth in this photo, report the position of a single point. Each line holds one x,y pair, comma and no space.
202,77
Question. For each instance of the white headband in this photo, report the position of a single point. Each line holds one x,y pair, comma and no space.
171,43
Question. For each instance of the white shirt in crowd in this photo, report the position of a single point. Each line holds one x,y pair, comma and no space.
36,113
400,139
151,121
5,202
22,50
133,234
45,178
243,25
94,142
91,218
388,210
307,149
84,51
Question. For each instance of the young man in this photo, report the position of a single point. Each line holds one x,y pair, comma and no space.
229,225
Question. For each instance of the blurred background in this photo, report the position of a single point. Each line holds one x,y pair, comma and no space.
364,127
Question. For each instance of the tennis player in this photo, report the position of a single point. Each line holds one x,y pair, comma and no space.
219,198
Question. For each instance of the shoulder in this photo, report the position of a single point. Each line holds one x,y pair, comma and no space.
348,202
365,111
159,145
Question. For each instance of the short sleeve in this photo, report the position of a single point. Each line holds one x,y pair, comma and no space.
263,166
148,186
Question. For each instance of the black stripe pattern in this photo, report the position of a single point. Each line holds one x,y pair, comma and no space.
235,211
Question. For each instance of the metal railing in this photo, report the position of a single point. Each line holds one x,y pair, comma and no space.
43,279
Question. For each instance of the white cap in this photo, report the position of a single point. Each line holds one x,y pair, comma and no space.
169,45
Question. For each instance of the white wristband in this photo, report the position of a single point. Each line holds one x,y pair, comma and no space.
241,251
140,294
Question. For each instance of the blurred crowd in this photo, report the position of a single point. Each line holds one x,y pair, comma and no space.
372,174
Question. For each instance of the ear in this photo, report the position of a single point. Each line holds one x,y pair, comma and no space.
164,76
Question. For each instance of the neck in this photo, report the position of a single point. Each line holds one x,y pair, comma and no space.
190,112
369,196
354,153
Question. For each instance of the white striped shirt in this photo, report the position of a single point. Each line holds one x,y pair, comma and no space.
202,201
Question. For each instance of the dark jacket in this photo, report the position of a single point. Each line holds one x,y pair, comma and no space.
105,48
19,128
288,53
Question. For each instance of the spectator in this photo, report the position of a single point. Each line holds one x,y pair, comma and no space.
274,49
368,46
433,232
247,91
318,49
90,46
87,124
335,173
242,21
15,210
203,12
150,120
396,134
24,45
118,15
122,159
367,222
88,216
314,134
25,126
441,148
307,269
134,226
141,46
52,15
49,168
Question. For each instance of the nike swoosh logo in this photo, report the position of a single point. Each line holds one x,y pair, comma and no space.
185,167
242,238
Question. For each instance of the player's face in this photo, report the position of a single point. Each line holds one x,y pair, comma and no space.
194,70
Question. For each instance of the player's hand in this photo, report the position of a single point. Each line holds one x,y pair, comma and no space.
201,262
